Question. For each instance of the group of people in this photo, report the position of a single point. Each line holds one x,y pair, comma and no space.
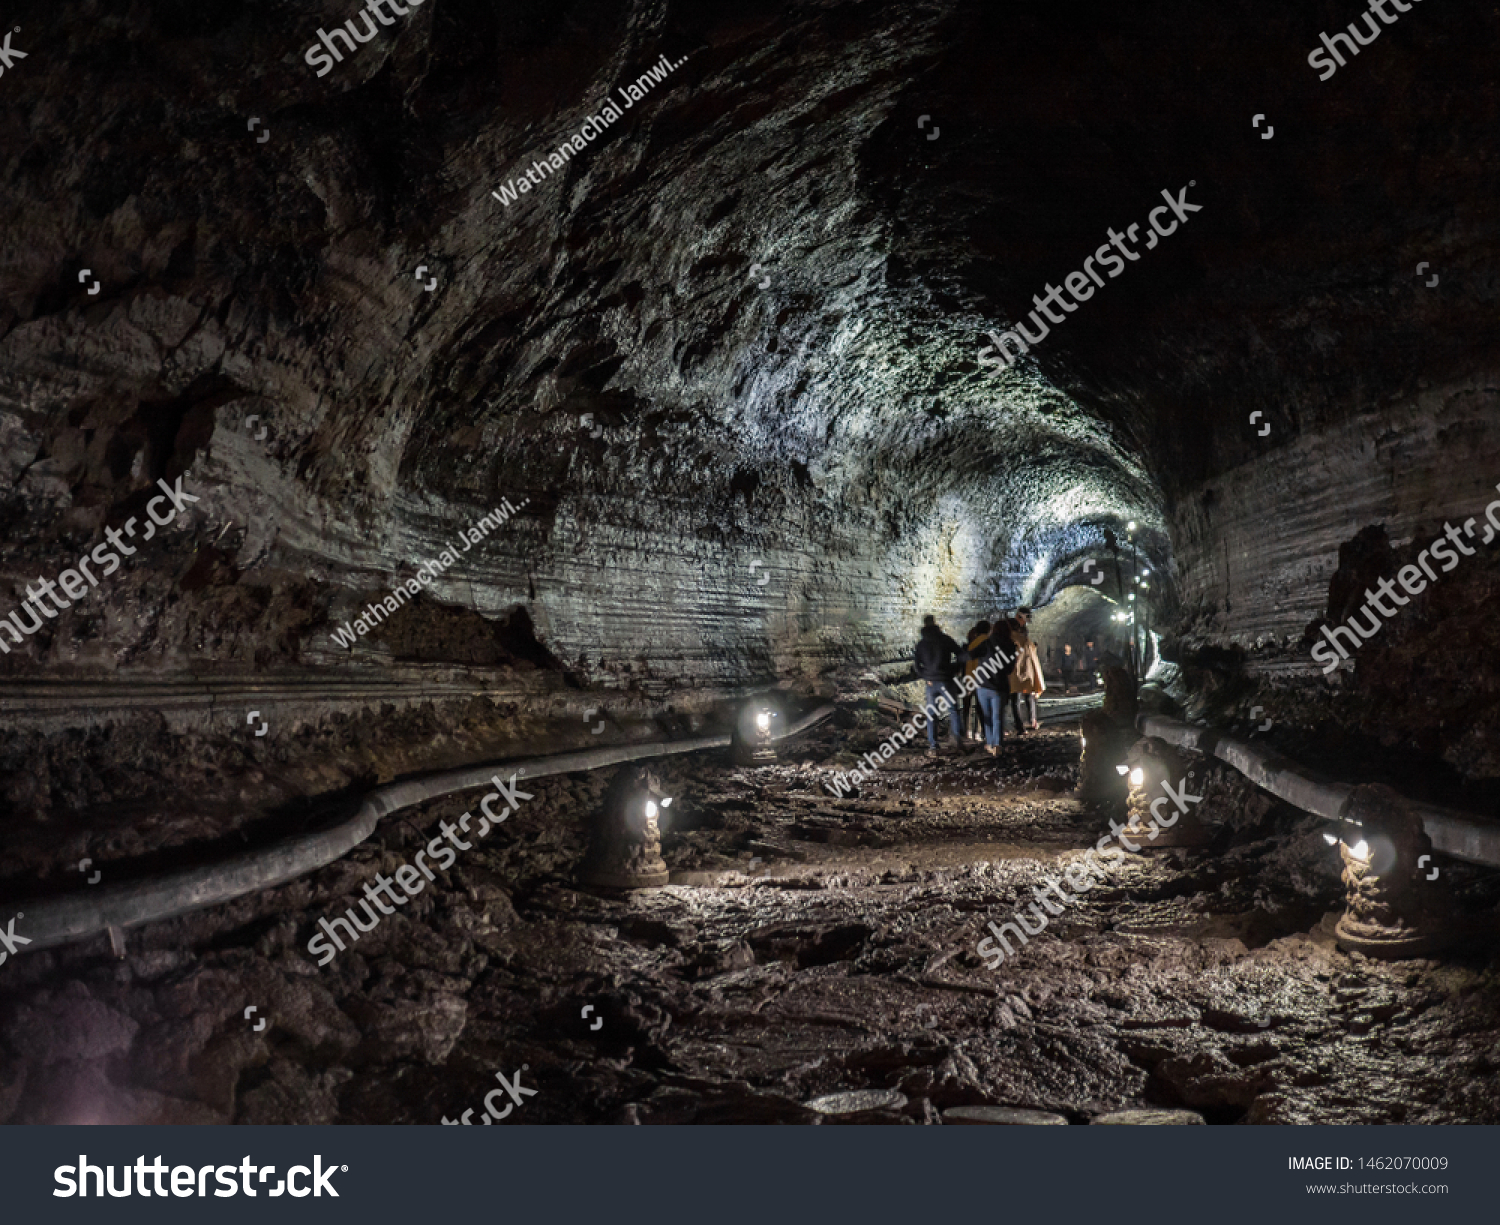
1005,659
1077,664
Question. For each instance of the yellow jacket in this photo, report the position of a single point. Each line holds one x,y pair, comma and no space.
973,663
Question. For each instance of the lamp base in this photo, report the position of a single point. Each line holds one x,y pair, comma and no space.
1183,833
618,878
1388,943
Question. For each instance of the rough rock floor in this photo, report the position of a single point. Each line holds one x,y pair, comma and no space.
808,945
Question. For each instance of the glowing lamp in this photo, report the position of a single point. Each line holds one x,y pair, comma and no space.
1392,910
625,844
1156,817
751,742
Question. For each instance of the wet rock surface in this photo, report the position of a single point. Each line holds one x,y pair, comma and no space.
814,960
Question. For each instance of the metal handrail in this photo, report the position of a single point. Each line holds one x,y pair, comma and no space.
65,920
1459,835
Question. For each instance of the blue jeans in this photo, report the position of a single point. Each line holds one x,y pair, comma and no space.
992,711
935,691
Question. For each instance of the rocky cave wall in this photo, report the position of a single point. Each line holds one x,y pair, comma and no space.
725,361
596,354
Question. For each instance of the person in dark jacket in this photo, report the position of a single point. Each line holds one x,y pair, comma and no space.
995,687
936,659
975,639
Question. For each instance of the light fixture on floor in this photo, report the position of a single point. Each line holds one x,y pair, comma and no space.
1102,744
755,727
1158,775
625,847
1392,908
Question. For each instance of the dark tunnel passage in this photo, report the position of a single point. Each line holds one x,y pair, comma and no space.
497,413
